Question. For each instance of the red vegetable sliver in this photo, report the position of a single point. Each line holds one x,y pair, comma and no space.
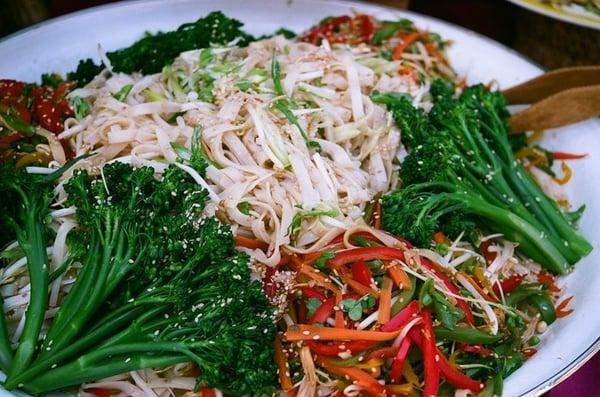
362,273
429,349
323,312
309,292
402,317
567,156
398,363
508,284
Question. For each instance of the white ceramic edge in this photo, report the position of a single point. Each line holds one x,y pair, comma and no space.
565,16
536,390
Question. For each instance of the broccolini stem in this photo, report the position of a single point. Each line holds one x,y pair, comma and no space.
573,240
33,241
555,261
108,326
70,375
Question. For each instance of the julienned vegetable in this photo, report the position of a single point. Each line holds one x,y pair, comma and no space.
461,169
159,285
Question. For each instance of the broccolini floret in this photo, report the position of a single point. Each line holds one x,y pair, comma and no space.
461,171
159,284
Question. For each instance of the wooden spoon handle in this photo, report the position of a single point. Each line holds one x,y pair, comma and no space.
551,83
565,107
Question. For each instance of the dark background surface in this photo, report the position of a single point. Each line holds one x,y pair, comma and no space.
548,42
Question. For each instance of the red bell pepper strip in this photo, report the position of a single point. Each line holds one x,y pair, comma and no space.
396,372
323,312
475,349
324,31
11,88
508,284
362,273
451,374
365,254
332,350
430,357
487,254
308,292
404,316
367,28
567,156
549,280
12,138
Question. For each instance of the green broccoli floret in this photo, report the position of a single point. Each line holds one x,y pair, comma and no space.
159,285
461,171
155,51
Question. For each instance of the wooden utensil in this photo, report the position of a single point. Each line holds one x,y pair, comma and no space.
560,97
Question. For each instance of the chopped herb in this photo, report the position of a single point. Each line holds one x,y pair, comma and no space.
121,95
291,117
243,85
205,87
81,107
321,262
244,207
294,227
152,96
206,57
276,75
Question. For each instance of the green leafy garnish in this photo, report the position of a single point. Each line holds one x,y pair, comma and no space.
276,76
312,305
121,95
244,207
206,57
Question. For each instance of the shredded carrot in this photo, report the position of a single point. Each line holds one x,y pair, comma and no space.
292,393
358,287
241,241
339,315
312,332
314,274
365,381
385,301
400,277
561,308
282,366
407,41
433,51
567,174
439,238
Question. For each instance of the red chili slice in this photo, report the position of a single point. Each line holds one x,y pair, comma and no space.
362,273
